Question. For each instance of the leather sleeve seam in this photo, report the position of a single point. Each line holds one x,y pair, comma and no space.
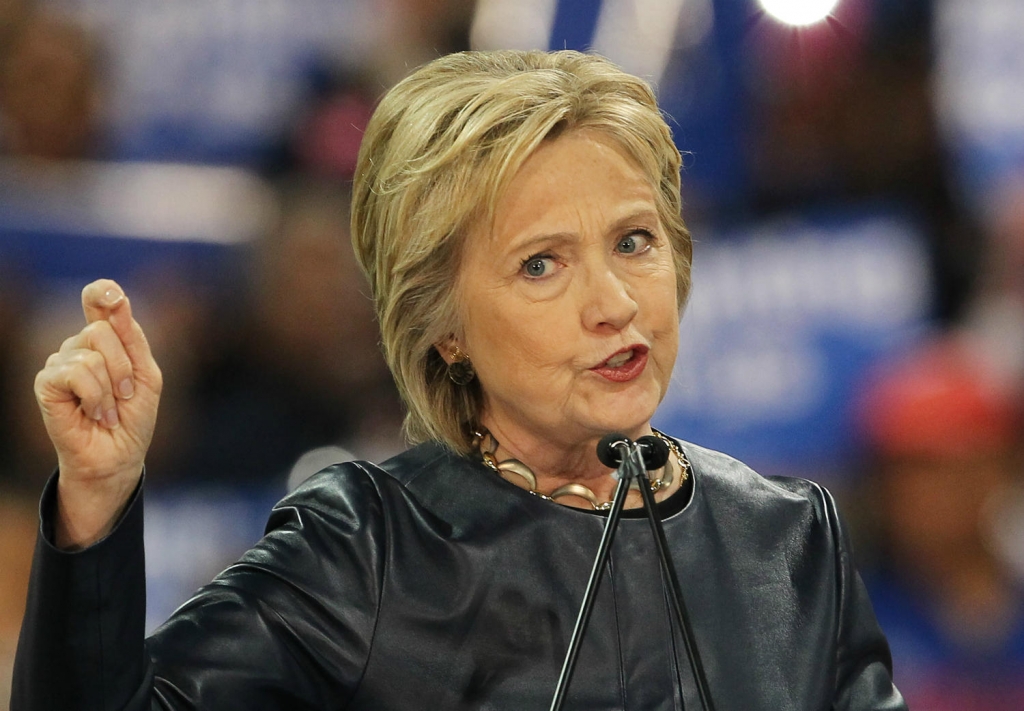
384,562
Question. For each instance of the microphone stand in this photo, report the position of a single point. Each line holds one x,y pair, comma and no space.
682,615
632,466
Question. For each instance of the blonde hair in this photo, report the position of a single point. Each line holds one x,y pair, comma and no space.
435,158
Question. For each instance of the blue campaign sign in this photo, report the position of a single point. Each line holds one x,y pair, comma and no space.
217,80
783,321
82,220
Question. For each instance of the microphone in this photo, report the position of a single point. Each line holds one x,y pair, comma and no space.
608,449
653,450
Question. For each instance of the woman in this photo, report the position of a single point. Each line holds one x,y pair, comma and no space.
518,215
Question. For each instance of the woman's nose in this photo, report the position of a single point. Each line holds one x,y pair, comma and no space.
608,302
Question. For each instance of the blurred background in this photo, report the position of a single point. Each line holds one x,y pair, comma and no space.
854,184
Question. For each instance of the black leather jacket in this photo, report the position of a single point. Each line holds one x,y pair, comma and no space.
430,583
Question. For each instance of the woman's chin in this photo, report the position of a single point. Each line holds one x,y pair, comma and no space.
627,416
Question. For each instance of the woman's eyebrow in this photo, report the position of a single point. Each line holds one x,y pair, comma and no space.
641,214
546,239
645,214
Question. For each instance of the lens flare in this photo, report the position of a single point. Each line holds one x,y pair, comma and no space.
799,12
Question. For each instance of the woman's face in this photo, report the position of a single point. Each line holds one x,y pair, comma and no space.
569,306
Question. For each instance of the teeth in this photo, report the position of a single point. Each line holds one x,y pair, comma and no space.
619,359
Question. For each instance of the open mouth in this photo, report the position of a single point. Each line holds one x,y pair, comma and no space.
619,359
625,365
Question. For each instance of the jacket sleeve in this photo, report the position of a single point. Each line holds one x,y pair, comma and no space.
864,664
287,627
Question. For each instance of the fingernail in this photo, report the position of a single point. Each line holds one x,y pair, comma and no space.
112,297
127,388
110,419
97,414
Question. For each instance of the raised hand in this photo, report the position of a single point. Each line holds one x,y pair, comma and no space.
99,395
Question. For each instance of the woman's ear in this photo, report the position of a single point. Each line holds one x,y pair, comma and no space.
449,349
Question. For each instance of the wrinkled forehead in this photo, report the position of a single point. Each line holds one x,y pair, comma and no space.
495,194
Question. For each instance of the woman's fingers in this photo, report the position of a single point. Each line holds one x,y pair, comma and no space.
103,301
99,336
80,377
106,362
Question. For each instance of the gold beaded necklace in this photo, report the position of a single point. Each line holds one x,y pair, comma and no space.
520,470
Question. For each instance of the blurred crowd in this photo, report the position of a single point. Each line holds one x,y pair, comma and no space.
268,344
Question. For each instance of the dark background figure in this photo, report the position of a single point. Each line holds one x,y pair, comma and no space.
303,368
944,492
49,89
847,116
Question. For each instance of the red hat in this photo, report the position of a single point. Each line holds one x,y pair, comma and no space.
936,401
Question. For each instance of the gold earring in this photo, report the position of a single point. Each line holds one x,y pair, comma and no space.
460,370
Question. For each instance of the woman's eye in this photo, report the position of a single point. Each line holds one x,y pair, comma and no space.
536,267
634,243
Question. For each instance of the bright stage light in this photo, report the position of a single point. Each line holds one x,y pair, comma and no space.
799,12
